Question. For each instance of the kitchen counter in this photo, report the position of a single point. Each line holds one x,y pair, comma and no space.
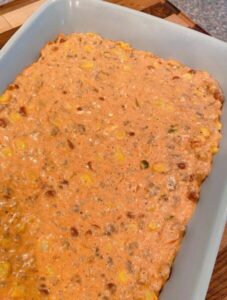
210,14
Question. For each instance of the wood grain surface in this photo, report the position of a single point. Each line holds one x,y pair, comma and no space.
14,14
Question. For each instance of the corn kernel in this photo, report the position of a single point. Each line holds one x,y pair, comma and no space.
151,209
5,98
163,104
44,245
21,227
18,292
205,131
152,226
187,76
7,152
56,122
218,125
88,48
119,156
127,68
14,117
108,247
20,144
132,227
202,138
50,271
173,63
86,65
86,178
156,65
150,295
112,128
214,149
121,54
5,269
160,103
68,106
120,134
123,276
124,45
32,176
98,125
5,243
111,205
159,168
31,107
92,34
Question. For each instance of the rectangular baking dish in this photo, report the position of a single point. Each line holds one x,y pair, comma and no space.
194,263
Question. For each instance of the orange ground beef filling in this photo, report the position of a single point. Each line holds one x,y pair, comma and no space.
103,149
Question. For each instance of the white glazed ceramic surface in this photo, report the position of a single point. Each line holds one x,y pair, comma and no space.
194,263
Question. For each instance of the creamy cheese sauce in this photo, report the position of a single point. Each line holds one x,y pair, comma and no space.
103,149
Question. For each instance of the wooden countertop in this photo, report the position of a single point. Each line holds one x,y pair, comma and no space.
14,14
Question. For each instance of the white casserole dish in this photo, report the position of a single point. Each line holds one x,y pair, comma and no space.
193,266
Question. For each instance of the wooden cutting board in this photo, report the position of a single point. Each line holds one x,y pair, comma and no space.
14,14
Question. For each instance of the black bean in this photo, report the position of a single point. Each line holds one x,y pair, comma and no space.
193,196
164,197
50,193
74,232
144,164
65,182
70,144
151,139
111,287
181,165
7,193
110,261
54,131
129,266
130,215
89,164
152,189
62,40
76,279
76,208
88,232
13,87
133,245
23,111
191,71
109,229
137,103
149,67
79,128
44,290
131,133
95,89
172,129
3,123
